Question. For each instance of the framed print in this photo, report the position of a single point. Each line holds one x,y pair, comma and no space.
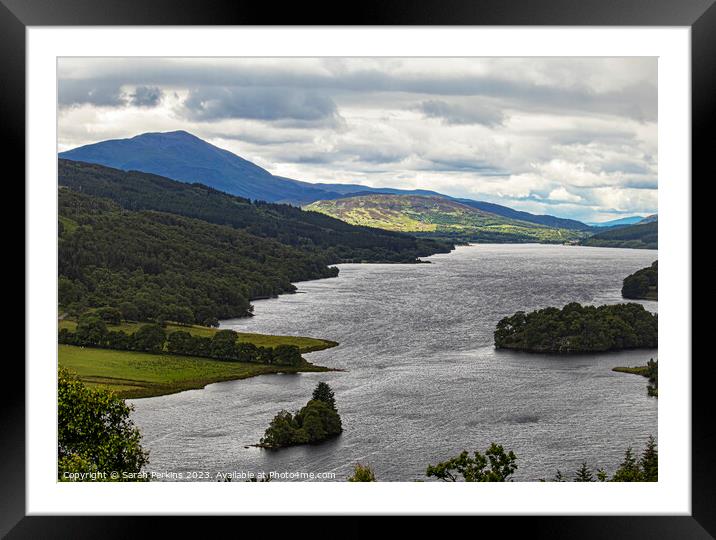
415,250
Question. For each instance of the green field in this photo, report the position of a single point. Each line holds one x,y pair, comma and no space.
135,374
305,344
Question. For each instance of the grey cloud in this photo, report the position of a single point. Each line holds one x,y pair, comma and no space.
346,153
462,114
94,92
482,167
637,101
256,103
263,138
145,96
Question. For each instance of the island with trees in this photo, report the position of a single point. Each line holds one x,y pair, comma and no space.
579,329
642,284
317,421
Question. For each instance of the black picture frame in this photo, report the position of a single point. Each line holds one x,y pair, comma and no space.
699,15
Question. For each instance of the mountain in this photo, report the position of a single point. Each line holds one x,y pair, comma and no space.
184,157
649,219
632,220
331,240
639,236
438,217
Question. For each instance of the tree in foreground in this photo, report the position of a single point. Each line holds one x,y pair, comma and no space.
95,433
495,465
362,473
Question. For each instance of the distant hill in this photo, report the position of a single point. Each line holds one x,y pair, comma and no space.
639,236
184,157
631,220
649,219
438,217
549,221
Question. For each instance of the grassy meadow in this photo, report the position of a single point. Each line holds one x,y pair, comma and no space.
133,374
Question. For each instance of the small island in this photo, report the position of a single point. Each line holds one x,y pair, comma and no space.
642,284
317,421
579,329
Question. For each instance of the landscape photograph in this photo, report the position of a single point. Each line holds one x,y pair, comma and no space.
349,269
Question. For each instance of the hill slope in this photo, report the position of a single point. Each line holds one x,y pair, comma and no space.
639,236
155,265
331,240
184,157
438,217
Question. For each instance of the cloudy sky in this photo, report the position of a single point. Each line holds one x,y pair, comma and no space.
573,137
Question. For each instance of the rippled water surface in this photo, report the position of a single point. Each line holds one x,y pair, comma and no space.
422,379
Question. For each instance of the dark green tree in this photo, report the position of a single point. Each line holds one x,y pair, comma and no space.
287,355
649,462
223,344
323,392
281,432
181,342
95,432
149,338
584,474
109,315
628,470
129,311
91,330
644,469
495,465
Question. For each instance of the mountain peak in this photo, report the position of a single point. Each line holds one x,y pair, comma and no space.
178,134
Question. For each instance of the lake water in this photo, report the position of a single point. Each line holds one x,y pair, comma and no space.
423,380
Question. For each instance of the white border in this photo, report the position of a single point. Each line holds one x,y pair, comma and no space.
671,495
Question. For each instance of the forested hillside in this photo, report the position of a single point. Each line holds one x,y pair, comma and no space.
155,265
640,236
331,239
